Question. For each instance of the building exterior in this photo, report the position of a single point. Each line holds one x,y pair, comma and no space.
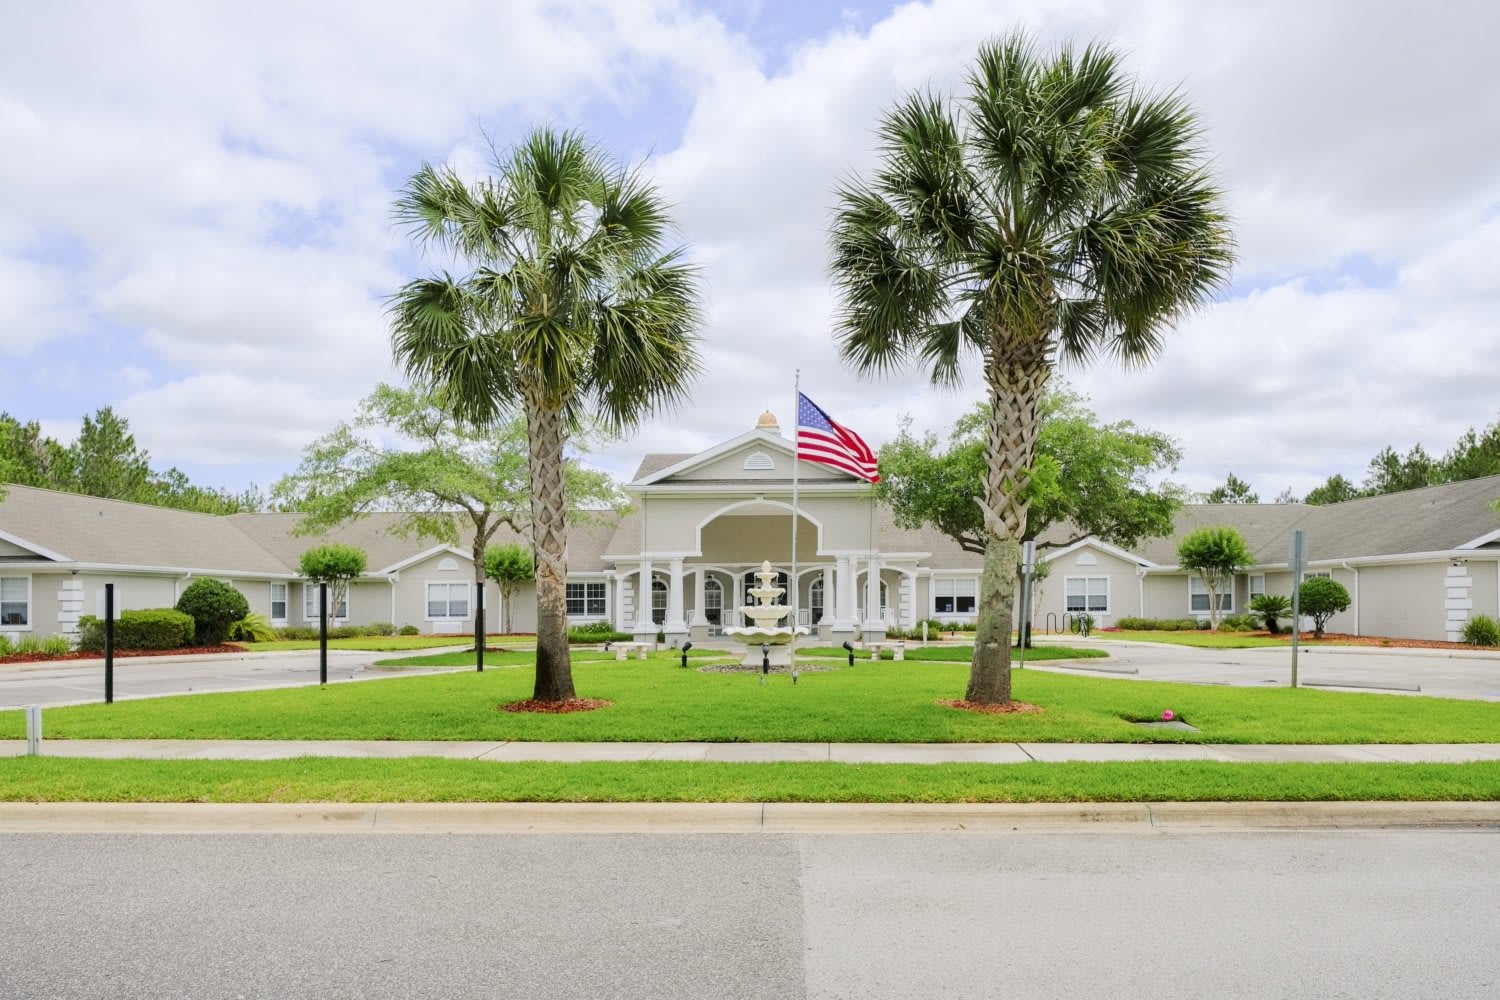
1417,564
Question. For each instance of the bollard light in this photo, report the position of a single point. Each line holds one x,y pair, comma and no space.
685,647
850,650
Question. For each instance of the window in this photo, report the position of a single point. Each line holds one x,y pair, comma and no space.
447,600
15,602
310,603
278,602
713,601
1198,596
953,597
815,600
1257,585
586,600
658,602
1087,594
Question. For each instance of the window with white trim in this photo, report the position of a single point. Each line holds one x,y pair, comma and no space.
310,604
278,602
954,597
658,602
1087,594
815,600
447,600
1198,596
713,601
1257,585
586,599
15,602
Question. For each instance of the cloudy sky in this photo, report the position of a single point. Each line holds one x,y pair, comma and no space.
195,196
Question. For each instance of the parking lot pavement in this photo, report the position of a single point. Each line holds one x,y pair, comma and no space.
1437,673
67,682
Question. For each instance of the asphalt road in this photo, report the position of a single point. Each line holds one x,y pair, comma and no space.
1288,915
66,682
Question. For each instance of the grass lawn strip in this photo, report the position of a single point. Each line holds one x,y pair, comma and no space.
370,644
43,779
952,654
872,702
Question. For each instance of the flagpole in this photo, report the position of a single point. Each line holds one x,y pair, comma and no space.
792,582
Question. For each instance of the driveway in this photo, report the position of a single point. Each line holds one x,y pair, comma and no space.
72,681
1437,672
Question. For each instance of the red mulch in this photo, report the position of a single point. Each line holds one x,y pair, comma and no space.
556,707
120,654
1007,708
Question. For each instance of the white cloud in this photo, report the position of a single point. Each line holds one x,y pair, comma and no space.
226,172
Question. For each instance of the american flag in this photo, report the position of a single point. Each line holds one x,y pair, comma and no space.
821,440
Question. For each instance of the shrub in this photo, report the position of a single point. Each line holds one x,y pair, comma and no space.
251,628
380,628
1271,607
297,633
1482,630
6,648
594,628
56,645
214,605
1237,623
154,628
578,635
29,643
409,630
1320,598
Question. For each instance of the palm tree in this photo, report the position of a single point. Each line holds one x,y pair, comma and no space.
1056,210
571,310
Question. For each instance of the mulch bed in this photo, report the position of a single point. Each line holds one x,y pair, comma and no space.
1345,639
1008,708
556,707
120,654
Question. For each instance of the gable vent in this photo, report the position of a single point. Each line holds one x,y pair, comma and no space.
759,462
448,565
1086,559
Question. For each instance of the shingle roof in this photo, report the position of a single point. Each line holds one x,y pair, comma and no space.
93,530
656,461
1430,519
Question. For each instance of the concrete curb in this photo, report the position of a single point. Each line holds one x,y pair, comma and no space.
732,817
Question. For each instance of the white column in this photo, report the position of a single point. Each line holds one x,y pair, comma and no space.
872,591
643,600
908,615
830,604
731,615
675,619
844,585
700,596
622,623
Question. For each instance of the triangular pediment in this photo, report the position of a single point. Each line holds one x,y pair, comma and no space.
758,456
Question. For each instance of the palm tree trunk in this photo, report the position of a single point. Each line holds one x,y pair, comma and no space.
549,539
1016,385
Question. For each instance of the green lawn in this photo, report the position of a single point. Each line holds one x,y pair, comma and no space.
953,654
870,702
465,658
51,779
1202,640
371,643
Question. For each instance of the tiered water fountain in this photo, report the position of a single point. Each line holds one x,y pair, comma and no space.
767,630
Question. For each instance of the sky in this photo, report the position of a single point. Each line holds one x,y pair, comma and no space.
195,207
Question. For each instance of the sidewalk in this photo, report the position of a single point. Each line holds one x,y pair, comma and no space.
840,753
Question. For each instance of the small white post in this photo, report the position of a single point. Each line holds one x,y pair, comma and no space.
33,730
924,631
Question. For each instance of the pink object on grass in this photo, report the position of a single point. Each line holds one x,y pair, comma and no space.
1168,715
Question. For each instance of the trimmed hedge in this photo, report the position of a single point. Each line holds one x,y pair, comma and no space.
585,636
153,628
1157,624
